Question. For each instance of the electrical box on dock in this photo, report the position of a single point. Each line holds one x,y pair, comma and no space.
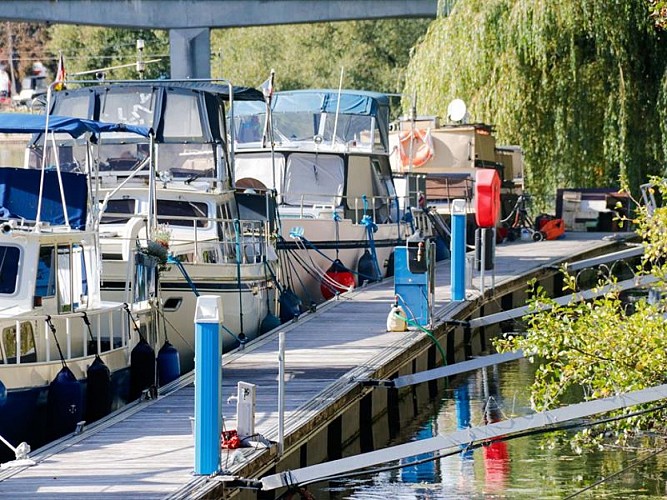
414,273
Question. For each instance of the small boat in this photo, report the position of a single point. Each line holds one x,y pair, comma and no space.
174,194
326,155
66,356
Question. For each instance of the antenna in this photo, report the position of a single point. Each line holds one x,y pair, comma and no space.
457,111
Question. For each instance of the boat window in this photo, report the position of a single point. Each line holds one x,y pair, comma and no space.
9,269
187,160
71,156
314,179
135,108
75,106
46,280
26,344
115,210
350,129
251,169
295,127
122,157
63,276
70,277
182,213
181,117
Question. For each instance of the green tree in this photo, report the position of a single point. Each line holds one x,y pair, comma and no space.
87,48
602,347
578,84
373,54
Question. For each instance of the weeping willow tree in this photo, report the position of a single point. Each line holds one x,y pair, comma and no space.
579,84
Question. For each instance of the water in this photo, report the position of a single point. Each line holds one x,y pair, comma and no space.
535,466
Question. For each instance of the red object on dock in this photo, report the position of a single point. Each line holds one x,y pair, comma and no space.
553,229
487,197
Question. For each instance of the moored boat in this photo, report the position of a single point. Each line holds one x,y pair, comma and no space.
326,155
65,354
177,189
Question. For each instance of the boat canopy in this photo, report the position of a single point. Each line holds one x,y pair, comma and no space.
297,116
19,196
19,123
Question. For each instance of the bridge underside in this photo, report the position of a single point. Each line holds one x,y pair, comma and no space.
189,22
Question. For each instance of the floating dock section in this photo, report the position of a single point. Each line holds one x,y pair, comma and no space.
146,449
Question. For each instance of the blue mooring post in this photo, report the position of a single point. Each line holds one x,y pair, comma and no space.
208,384
458,250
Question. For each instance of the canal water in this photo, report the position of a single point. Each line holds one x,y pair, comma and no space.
536,467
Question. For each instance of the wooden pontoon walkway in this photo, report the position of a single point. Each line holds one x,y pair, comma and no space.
146,450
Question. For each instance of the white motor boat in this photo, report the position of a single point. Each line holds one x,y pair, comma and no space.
66,355
174,195
325,153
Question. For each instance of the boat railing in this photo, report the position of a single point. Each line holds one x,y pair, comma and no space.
381,209
70,334
209,240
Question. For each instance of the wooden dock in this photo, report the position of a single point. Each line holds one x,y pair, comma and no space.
146,449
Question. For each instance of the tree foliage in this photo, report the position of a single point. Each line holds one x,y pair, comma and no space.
580,85
373,54
602,347
88,48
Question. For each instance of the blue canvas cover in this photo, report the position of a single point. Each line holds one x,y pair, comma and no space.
21,123
19,196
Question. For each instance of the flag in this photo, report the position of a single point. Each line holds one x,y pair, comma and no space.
267,87
61,74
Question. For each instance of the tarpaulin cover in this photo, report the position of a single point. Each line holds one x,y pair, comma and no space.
19,195
21,123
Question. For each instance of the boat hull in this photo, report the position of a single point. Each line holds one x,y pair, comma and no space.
321,246
247,298
24,415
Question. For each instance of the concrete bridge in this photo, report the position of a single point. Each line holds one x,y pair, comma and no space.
189,22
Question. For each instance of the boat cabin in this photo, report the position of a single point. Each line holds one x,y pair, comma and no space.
187,119
329,154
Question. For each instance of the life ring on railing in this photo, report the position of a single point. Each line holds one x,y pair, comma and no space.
422,147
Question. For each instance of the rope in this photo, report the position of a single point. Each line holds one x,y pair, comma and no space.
55,337
134,323
617,473
427,332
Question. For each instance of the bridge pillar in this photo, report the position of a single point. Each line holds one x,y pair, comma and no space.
190,53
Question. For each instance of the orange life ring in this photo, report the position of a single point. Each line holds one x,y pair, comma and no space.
422,147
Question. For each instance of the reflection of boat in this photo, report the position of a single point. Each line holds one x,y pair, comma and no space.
56,333
217,237
326,155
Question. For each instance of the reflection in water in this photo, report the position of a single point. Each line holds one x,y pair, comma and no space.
526,467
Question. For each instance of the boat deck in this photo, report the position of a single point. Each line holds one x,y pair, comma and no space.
146,449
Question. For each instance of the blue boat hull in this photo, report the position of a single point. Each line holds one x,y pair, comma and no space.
23,416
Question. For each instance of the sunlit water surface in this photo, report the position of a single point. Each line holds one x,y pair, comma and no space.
536,466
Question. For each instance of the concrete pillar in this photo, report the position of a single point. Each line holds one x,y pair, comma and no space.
190,53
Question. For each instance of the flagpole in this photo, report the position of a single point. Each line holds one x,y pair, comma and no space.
340,90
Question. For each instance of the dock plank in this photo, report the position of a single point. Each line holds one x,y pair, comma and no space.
147,449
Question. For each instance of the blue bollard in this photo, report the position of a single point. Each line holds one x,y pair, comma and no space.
208,384
458,250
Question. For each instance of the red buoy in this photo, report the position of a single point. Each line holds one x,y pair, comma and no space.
339,274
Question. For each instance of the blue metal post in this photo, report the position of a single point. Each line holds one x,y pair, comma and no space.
458,250
208,384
